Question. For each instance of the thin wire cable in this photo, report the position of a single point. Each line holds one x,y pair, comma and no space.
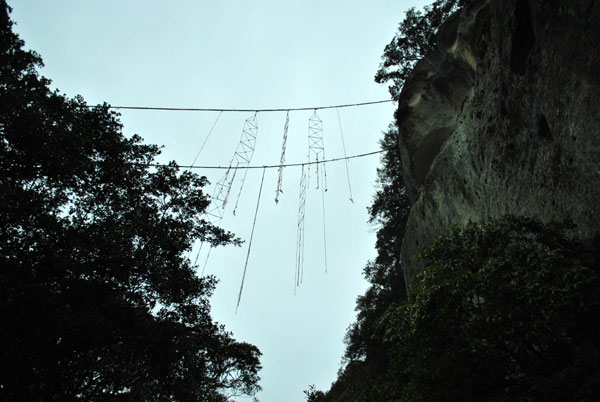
264,166
344,148
207,137
250,241
183,109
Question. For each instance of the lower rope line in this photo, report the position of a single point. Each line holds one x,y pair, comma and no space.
345,157
250,241
231,167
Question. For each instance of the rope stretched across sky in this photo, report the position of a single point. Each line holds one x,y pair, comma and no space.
184,109
268,166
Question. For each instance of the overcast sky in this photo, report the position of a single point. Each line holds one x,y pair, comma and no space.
250,55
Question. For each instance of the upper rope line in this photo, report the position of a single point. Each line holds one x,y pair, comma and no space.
292,109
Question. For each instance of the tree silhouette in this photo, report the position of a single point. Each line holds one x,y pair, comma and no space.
98,300
415,38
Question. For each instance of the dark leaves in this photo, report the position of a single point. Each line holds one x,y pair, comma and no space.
99,300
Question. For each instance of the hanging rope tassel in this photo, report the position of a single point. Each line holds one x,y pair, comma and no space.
250,241
282,161
345,157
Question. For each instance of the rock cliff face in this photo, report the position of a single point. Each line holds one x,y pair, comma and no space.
504,118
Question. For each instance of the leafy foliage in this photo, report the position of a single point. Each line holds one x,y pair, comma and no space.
98,299
366,358
390,212
506,310
312,394
415,38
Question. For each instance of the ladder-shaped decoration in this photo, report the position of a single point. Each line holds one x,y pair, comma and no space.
241,160
245,151
316,148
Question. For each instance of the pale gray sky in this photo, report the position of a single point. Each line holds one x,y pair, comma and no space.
248,54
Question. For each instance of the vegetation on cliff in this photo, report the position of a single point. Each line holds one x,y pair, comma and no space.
99,301
505,310
502,311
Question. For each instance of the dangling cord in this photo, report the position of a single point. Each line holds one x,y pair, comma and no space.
298,273
250,241
324,226
198,254
206,260
207,137
344,148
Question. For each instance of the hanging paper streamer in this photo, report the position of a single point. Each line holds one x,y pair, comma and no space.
300,231
282,160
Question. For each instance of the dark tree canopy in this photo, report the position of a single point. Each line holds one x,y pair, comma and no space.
99,300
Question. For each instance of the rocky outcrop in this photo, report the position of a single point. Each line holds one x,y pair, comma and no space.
503,118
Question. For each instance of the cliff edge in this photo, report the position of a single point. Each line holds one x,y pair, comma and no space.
502,118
